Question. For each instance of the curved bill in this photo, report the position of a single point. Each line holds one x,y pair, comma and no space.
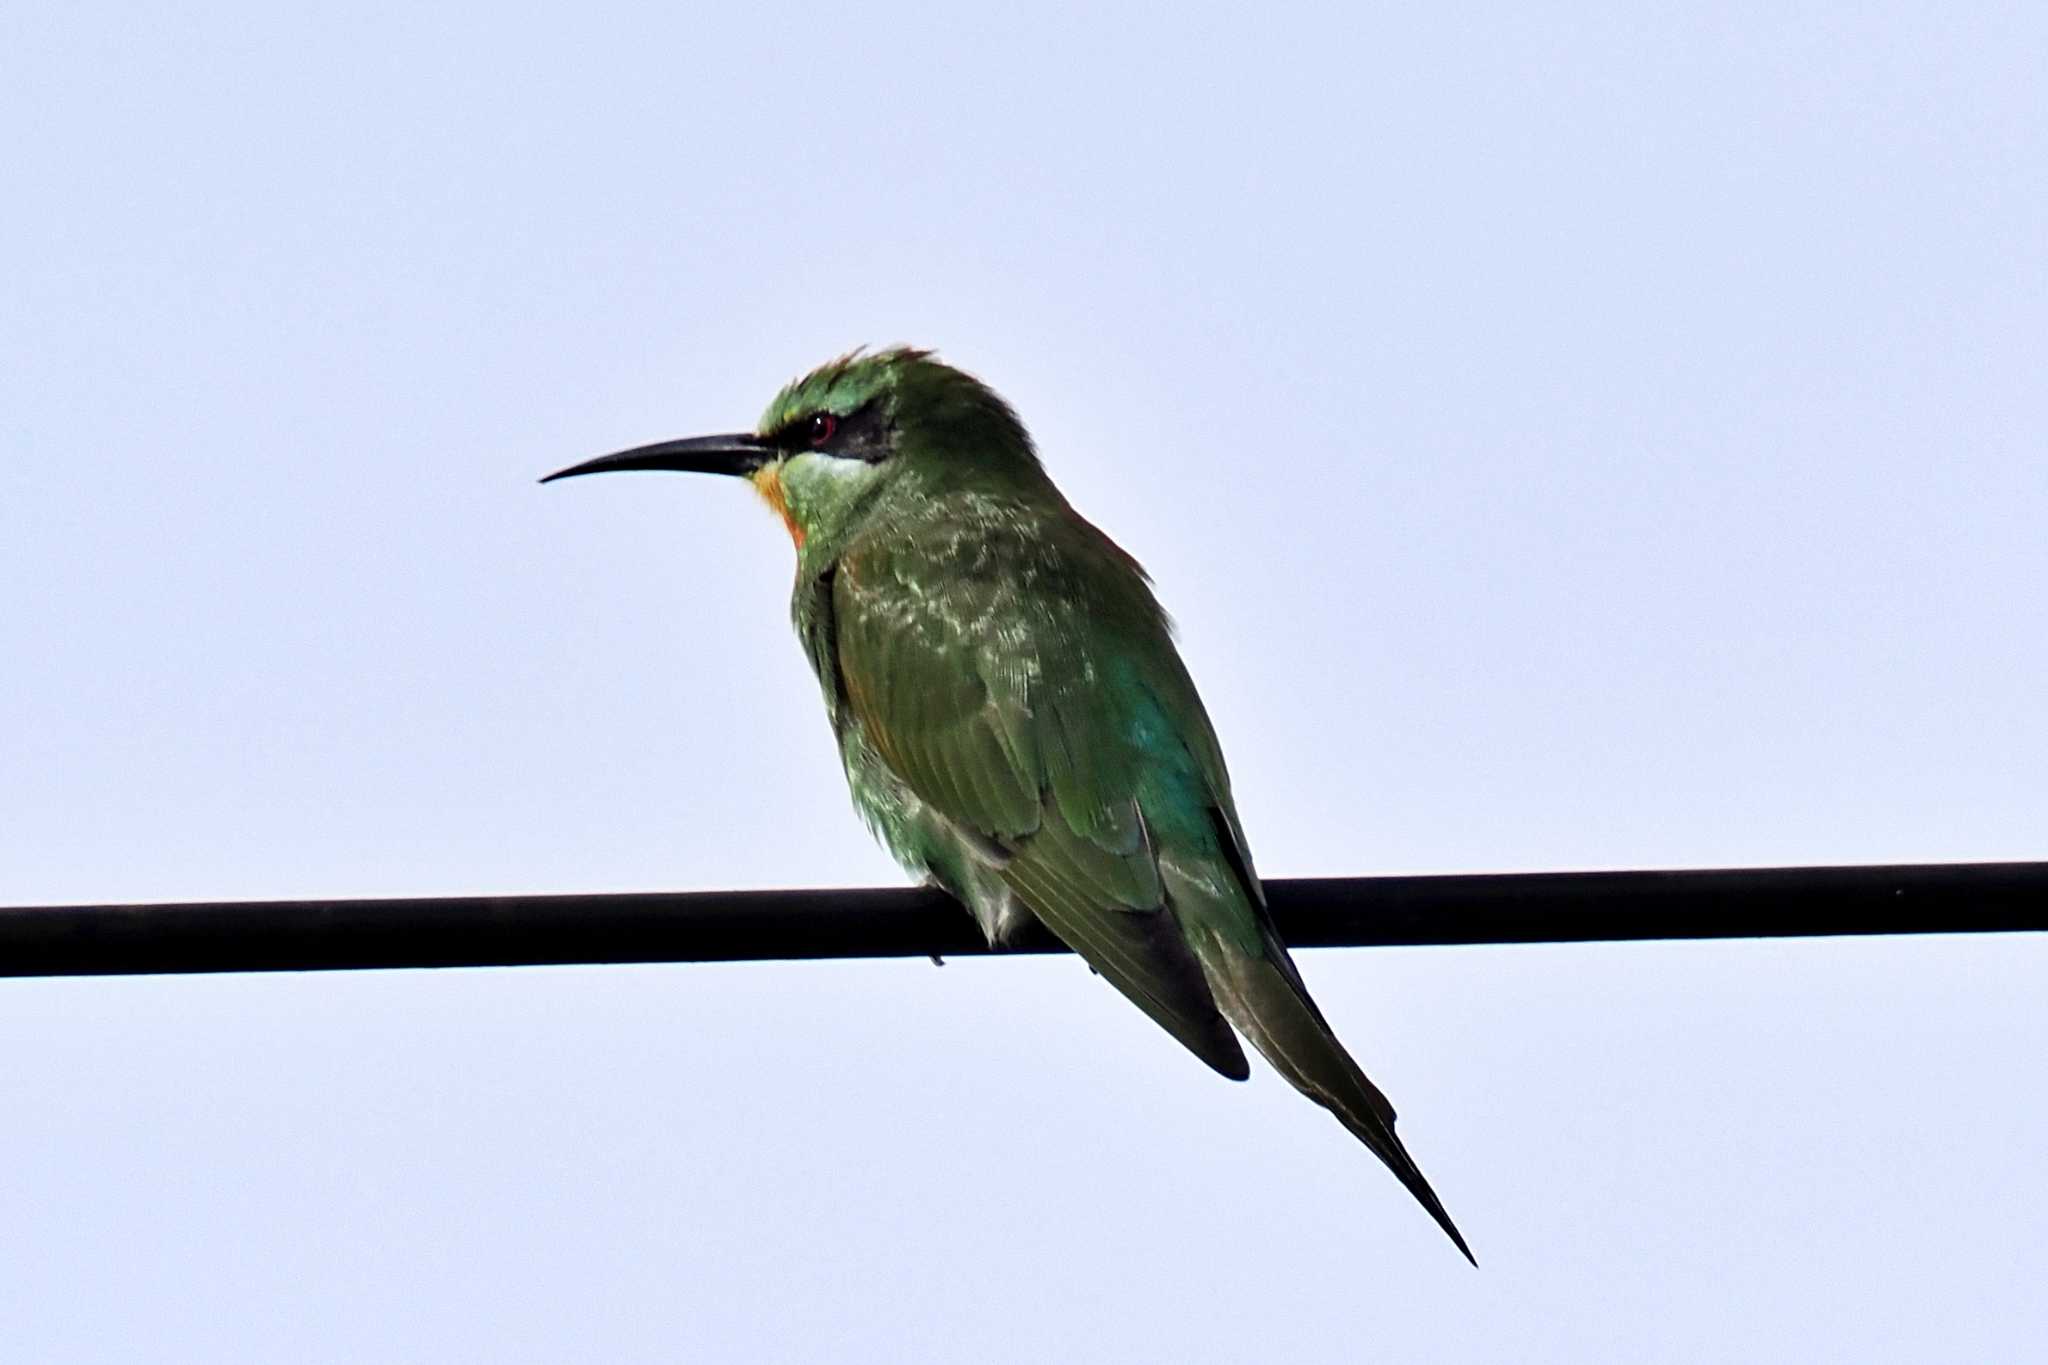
738,454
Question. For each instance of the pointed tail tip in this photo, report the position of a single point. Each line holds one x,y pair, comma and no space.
1459,1242
1434,1207
1443,1220
1410,1175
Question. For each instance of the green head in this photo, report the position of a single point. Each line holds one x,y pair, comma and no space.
863,427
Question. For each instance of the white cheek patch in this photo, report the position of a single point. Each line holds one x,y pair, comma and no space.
813,481
810,464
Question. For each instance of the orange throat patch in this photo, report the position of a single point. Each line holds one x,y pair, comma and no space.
767,481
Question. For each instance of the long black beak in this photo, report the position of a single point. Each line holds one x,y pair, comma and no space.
739,454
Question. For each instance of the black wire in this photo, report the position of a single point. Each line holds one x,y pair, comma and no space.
724,926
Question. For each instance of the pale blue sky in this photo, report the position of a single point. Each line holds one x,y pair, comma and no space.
1578,438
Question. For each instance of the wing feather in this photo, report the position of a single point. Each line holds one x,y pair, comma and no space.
1025,687
997,731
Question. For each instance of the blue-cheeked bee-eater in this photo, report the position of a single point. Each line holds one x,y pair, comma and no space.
1014,720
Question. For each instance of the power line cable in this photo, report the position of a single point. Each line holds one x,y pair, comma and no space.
726,926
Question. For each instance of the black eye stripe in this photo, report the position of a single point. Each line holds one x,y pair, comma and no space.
862,434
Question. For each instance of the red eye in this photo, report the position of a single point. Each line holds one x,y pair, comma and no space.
820,429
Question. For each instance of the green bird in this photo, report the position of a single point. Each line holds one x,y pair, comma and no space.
1014,720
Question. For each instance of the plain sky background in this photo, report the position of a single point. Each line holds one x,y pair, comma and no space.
1590,437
